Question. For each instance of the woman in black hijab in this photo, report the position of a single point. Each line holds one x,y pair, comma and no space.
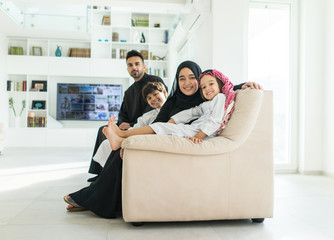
103,197
179,99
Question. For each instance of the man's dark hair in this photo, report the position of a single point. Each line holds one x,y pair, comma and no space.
134,53
150,87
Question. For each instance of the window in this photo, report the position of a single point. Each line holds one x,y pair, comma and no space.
270,63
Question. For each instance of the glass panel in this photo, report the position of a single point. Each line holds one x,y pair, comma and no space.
50,22
269,65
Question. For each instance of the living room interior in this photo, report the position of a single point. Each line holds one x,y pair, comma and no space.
45,46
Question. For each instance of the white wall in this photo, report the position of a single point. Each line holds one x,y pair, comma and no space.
3,80
311,85
229,54
229,38
328,155
201,43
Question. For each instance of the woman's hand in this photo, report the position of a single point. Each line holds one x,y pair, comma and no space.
252,85
171,121
195,139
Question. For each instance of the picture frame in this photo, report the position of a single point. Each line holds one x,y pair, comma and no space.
37,51
39,85
38,104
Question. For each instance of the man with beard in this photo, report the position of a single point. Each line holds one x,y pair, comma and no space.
133,105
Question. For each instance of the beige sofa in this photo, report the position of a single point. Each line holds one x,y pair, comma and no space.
168,178
2,137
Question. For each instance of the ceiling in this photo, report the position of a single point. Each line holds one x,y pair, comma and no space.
76,8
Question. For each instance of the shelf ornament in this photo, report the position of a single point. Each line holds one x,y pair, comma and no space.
11,105
58,51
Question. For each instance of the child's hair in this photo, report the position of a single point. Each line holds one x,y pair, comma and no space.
150,87
134,53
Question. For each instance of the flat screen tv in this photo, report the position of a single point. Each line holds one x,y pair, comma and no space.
88,101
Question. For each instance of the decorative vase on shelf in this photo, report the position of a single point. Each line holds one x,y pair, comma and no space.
58,51
142,40
17,121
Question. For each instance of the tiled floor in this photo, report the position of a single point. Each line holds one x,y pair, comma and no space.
33,182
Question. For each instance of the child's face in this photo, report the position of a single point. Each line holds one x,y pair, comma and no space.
209,87
156,99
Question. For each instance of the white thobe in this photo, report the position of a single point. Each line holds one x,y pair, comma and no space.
209,117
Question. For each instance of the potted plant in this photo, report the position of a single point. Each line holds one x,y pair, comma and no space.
17,117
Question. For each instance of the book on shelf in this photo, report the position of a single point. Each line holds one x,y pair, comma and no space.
113,54
160,72
144,53
17,86
106,20
16,51
24,85
115,37
36,122
122,53
141,22
79,52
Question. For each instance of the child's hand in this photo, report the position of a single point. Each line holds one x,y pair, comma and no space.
171,121
124,126
195,140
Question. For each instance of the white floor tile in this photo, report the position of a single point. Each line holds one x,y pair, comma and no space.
34,181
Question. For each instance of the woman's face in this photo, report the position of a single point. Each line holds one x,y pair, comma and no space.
187,82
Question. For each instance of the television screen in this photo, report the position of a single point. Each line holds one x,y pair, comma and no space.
88,101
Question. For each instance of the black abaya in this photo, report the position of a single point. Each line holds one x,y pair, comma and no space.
103,197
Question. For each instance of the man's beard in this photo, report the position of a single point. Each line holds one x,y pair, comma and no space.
137,74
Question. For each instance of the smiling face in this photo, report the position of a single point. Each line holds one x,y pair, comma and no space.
209,87
156,99
187,82
136,67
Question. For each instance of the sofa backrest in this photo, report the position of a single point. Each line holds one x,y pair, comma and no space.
248,103
249,108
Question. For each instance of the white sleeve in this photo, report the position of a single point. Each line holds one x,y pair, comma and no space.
186,116
213,122
147,118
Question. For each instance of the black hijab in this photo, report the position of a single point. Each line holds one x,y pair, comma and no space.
177,101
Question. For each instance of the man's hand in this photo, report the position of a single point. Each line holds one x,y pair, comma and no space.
121,153
252,85
195,139
124,126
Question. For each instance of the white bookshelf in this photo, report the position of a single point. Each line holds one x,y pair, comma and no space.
100,67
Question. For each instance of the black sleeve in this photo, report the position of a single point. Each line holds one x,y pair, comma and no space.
239,86
123,112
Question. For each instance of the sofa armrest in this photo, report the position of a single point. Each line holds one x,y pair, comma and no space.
175,144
